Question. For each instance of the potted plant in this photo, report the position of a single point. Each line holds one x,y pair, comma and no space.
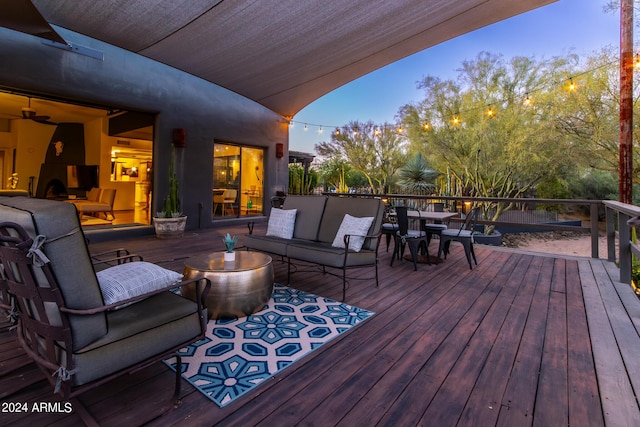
230,243
170,223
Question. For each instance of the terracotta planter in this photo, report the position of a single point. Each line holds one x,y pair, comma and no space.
170,228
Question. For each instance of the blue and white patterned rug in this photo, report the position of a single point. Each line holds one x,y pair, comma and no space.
238,354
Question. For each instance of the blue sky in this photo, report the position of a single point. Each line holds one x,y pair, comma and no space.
578,26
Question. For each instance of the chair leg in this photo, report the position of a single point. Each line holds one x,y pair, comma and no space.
425,245
441,248
414,254
388,237
344,284
396,249
467,252
473,253
176,391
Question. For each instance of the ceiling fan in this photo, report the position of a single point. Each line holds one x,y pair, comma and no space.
30,114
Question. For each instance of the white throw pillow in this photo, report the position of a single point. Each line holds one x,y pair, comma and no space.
357,228
281,223
132,279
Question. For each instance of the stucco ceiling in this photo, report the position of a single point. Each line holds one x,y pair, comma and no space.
283,54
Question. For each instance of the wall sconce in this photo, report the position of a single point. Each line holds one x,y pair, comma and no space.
179,137
279,150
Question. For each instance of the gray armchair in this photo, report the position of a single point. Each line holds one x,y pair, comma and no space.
64,324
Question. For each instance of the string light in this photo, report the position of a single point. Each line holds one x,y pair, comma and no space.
571,86
490,113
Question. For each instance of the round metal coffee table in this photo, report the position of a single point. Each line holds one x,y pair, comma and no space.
238,288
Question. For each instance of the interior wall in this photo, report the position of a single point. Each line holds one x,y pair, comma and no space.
125,80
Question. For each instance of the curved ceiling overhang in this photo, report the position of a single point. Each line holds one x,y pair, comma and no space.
283,54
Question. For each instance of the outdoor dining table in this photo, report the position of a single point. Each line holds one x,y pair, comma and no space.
435,217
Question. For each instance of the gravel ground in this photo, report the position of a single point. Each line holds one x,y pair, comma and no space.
555,242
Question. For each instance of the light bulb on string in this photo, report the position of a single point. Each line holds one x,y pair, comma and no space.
320,130
490,113
400,130
376,131
305,127
337,131
455,120
426,126
527,101
572,86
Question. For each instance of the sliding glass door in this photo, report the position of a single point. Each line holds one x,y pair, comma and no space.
238,181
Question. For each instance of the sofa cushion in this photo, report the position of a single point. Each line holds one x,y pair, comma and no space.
356,227
310,209
133,279
136,333
325,254
274,245
337,207
281,223
93,195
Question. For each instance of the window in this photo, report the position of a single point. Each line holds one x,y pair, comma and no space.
238,181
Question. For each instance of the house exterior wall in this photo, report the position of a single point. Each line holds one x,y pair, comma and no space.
129,81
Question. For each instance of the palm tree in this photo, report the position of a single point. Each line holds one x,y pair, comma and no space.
416,177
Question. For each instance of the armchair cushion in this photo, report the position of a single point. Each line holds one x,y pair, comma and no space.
281,223
356,227
133,279
136,333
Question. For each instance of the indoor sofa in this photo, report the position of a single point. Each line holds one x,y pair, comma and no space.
99,201
319,228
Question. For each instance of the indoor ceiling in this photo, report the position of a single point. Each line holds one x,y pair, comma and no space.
283,54
11,106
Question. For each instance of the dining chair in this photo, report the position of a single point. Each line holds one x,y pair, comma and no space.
416,239
389,226
225,198
464,235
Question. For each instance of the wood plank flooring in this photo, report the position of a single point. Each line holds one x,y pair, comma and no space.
520,340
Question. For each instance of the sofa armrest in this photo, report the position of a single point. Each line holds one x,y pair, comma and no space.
100,309
377,236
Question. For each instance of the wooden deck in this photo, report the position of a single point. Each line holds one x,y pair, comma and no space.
521,340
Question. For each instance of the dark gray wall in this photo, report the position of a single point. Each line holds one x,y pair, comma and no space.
129,81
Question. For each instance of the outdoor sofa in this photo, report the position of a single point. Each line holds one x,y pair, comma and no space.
317,229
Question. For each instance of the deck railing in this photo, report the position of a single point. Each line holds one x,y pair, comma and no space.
617,216
530,222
